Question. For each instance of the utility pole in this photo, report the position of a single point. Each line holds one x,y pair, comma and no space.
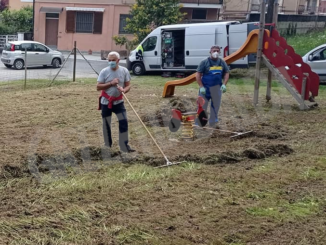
270,11
33,19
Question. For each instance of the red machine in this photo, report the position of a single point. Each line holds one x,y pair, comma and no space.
188,118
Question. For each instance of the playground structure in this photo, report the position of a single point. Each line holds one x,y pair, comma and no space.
249,47
281,60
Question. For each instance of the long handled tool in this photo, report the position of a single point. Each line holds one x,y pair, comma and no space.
236,134
168,163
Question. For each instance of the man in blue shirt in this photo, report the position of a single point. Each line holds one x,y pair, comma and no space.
212,76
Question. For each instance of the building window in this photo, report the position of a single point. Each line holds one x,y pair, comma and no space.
84,22
199,14
123,23
52,16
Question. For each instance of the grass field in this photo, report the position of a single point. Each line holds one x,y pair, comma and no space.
302,44
58,185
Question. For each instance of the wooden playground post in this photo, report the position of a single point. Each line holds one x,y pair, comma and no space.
275,15
260,49
269,81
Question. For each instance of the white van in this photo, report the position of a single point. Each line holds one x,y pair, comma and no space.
182,47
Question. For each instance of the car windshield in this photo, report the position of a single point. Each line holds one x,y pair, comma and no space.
7,47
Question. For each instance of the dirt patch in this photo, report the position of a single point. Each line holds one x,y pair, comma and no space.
269,135
253,153
45,163
190,204
279,150
13,171
183,105
159,118
263,151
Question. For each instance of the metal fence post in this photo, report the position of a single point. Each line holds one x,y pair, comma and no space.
75,57
25,68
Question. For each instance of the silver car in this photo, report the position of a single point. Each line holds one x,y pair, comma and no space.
316,59
13,55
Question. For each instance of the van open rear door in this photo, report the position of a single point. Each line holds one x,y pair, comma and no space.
237,36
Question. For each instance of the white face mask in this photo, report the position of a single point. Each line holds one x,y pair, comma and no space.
215,55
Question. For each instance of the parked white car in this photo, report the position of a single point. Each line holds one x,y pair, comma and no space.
38,54
316,59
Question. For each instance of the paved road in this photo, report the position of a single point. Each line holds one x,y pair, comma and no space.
83,71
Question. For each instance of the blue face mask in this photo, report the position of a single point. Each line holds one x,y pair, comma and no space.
112,64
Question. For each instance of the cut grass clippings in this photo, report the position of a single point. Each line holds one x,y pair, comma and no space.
253,201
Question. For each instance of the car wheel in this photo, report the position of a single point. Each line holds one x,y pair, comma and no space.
138,69
19,64
8,66
56,63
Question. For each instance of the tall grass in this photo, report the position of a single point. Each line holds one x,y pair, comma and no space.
303,43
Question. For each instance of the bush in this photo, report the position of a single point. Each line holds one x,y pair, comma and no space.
303,43
16,21
6,30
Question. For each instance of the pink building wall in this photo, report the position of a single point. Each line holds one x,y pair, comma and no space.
322,7
85,41
211,14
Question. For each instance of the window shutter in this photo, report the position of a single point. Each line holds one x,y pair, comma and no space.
98,22
71,22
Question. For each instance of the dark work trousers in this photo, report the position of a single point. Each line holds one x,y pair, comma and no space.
120,111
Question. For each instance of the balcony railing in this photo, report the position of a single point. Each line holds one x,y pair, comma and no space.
202,1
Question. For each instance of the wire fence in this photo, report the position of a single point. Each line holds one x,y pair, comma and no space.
87,67
7,38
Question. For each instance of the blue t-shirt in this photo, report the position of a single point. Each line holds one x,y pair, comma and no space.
205,65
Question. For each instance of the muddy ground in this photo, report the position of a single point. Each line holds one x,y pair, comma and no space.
57,132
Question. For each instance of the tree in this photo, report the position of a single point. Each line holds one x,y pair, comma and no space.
16,21
149,14
4,5
270,11
124,41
